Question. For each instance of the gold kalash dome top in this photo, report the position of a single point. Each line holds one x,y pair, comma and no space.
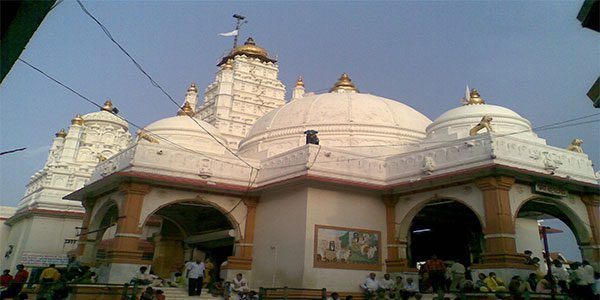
250,49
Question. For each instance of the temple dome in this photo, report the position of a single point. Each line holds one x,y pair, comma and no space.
456,123
184,131
105,115
342,120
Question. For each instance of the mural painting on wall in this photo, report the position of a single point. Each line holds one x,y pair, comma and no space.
347,248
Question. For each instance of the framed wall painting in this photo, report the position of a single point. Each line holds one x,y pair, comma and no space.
347,248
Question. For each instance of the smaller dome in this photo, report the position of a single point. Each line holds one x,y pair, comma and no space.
184,131
250,49
456,123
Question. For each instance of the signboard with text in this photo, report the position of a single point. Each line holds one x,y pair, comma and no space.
30,259
549,189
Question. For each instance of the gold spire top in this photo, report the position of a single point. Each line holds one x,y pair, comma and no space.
250,49
193,88
344,84
300,82
474,98
61,133
108,106
78,120
186,109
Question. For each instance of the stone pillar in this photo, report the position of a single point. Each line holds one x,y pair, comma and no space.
124,256
243,254
85,243
499,232
168,253
591,252
393,263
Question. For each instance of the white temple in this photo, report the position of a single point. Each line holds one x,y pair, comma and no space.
379,188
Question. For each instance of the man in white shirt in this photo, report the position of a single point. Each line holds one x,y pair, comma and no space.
457,273
387,283
195,275
370,286
239,286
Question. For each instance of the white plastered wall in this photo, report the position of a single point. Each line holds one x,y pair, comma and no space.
279,238
41,235
341,208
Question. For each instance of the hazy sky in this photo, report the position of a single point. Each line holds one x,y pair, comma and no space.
532,57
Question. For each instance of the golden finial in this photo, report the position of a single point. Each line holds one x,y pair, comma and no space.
300,82
61,133
78,120
108,106
193,88
227,65
186,109
344,84
474,98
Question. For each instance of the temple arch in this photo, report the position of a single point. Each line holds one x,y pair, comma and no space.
187,229
446,221
536,208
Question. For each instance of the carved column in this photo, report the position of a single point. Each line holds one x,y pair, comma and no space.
125,247
591,252
83,234
243,256
393,262
499,231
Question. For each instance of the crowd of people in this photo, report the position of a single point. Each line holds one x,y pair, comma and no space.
578,281
51,284
195,275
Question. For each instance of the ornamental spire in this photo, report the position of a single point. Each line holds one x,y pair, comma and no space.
193,88
298,89
108,106
474,98
344,85
186,109
61,133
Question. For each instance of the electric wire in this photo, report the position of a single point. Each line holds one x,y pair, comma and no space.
441,144
153,82
251,181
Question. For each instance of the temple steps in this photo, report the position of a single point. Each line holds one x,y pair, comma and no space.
173,293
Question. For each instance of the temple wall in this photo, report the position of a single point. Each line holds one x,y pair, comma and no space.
279,244
345,209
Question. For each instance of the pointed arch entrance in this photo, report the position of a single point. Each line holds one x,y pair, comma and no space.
447,228
186,230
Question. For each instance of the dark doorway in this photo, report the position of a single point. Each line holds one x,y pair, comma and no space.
448,229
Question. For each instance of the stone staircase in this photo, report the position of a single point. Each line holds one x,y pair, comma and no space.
173,293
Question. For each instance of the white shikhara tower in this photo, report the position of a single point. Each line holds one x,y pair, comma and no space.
246,88
44,226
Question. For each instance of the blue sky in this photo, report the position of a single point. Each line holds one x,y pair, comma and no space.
530,56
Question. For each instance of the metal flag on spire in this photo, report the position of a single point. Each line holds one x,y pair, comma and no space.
235,33
467,97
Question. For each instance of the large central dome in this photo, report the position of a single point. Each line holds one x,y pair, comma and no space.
347,119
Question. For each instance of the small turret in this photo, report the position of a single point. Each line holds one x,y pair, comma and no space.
298,89
191,96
